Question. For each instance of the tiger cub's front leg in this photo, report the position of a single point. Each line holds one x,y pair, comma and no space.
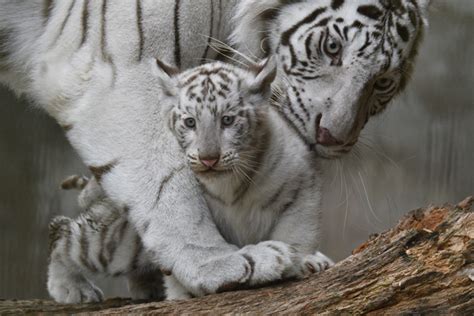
100,241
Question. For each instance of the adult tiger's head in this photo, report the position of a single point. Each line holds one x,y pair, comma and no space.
340,62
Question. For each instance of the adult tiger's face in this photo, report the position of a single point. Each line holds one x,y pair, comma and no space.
342,62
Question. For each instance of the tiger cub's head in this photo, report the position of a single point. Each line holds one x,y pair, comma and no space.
219,114
342,62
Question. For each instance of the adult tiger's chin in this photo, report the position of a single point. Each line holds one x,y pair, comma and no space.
332,152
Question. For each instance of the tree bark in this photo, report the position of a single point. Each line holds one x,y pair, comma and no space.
424,265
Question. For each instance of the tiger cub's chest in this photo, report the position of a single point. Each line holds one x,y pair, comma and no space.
244,222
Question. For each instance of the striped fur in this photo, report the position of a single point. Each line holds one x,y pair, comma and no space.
265,188
118,30
87,63
99,83
265,183
101,241
378,41
340,61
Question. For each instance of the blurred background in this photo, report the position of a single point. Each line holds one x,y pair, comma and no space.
419,152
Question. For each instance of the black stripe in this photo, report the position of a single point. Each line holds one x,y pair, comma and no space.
137,252
338,31
47,8
290,203
85,19
102,258
103,38
370,11
285,37
274,198
280,110
366,43
63,24
84,242
403,32
4,53
336,4
100,171
116,239
166,180
211,31
140,30
177,45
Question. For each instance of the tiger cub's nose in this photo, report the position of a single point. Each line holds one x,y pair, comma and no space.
209,161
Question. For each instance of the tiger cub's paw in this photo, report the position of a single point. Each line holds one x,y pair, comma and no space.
270,261
316,263
72,291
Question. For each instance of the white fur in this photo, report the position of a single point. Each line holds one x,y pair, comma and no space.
344,95
277,219
111,100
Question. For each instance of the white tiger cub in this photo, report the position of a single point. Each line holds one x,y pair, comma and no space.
260,181
101,241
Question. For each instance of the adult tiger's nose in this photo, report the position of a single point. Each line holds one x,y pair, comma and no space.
209,162
324,136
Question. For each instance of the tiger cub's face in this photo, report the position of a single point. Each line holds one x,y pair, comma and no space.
342,62
218,114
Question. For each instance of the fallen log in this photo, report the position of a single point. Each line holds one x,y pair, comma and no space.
424,265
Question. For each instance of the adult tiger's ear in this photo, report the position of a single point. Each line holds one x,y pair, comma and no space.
264,74
166,75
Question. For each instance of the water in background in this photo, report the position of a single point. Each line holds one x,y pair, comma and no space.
420,151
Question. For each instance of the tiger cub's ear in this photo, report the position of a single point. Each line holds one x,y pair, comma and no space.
166,75
264,74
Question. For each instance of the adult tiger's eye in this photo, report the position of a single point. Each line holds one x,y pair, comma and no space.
227,120
190,122
383,83
332,47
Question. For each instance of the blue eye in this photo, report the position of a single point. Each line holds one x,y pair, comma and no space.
332,47
190,122
384,83
227,120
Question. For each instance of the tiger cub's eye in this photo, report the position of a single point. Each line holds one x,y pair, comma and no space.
190,122
227,120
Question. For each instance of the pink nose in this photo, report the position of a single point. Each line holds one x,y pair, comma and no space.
326,139
324,136
209,162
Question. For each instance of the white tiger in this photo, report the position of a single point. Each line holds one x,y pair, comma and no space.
260,182
96,82
340,61
83,62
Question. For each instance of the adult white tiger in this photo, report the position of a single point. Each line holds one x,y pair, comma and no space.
341,61
80,60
